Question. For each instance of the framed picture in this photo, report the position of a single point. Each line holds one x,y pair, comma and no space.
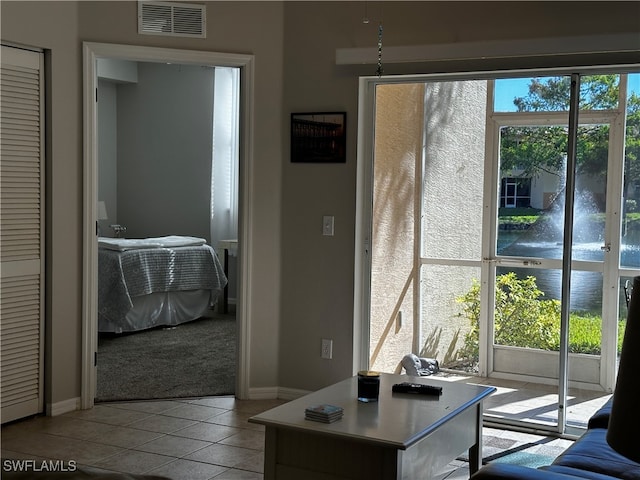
318,137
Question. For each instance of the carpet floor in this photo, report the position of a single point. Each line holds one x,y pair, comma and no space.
515,448
193,359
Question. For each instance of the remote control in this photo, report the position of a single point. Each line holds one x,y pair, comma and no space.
420,388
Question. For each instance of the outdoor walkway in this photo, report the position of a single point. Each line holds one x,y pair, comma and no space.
522,401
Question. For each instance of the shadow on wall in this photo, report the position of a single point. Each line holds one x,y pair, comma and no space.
396,195
431,346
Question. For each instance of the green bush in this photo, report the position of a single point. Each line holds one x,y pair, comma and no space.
523,318
585,334
518,211
518,220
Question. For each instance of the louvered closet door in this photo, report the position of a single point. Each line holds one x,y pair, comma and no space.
21,233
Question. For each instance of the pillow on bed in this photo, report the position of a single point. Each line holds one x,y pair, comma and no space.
122,244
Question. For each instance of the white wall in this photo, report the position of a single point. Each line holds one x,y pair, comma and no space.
107,154
164,151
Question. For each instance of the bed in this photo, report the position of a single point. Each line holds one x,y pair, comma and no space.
150,282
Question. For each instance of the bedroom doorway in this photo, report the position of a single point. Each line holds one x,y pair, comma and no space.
98,198
177,340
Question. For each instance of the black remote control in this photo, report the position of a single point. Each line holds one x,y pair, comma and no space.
420,388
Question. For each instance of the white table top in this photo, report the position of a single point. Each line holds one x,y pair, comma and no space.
397,419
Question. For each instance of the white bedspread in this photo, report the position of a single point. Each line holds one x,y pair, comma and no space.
129,272
171,241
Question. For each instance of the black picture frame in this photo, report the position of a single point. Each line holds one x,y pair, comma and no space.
319,137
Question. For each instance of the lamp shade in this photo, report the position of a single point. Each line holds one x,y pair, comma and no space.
102,211
624,422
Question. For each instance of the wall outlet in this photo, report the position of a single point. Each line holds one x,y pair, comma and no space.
327,349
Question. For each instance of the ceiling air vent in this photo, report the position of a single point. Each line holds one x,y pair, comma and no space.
176,19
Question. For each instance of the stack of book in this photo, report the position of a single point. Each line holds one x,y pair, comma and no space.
323,413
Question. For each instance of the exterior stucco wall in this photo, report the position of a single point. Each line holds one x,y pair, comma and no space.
453,208
398,144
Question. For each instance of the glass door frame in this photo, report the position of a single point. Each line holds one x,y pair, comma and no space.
612,240
608,267
364,214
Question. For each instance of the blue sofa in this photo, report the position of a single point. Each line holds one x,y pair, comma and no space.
589,457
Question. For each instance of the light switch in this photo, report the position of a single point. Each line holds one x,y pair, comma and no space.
327,225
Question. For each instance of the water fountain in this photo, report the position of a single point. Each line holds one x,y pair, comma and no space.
544,239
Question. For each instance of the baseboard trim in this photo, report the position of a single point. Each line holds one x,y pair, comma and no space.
271,393
263,393
65,406
291,393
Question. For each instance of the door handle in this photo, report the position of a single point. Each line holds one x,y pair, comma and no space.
531,262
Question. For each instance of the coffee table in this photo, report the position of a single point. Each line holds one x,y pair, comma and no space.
402,436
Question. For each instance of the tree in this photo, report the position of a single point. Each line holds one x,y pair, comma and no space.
632,149
597,92
543,149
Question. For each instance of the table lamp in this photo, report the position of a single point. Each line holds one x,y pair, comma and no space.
102,211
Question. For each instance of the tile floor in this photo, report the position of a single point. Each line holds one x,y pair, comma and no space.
184,439
208,438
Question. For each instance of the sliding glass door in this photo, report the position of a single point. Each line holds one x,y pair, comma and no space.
530,239
468,238
529,252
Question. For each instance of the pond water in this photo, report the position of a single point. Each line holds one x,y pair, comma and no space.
586,287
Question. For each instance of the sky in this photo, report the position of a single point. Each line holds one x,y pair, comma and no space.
508,89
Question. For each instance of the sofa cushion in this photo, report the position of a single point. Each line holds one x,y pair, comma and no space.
504,471
592,453
600,419
575,473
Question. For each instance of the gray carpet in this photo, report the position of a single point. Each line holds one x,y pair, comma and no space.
519,448
531,454
193,359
